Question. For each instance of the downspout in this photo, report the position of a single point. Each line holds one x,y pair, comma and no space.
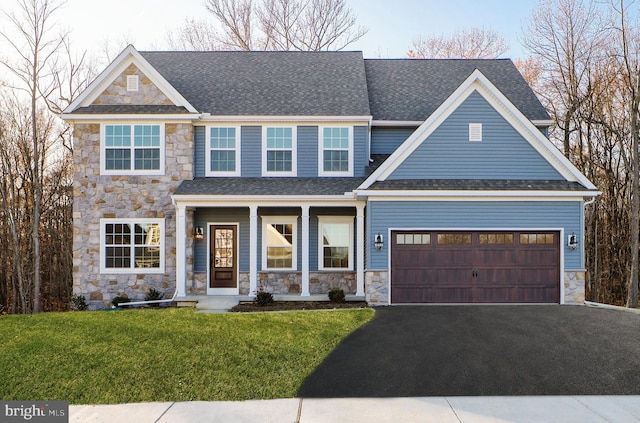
170,300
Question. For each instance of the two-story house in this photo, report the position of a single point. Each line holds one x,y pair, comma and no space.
398,181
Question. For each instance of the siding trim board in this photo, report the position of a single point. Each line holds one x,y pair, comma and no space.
477,82
559,230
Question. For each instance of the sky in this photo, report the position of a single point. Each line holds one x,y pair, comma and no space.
392,24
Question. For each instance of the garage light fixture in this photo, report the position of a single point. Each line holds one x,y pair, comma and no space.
572,241
378,242
198,233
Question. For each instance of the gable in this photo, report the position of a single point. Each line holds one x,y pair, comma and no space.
147,92
503,152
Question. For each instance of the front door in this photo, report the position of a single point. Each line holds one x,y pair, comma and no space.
223,263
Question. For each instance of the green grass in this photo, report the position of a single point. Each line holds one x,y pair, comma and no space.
165,354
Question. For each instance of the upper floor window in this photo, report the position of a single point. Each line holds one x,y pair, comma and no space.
223,152
132,149
336,151
279,151
132,245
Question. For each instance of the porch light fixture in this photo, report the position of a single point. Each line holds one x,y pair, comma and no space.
378,242
198,233
572,241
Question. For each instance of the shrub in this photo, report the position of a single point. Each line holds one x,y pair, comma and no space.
263,298
78,303
119,300
153,295
336,295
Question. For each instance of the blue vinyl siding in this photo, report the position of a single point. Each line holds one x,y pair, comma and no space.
251,144
502,154
473,215
199,156
203,217
387,140
307,151
360,150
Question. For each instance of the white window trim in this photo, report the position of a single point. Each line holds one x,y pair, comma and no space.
475,132
103,147
208,171
322,220
292,220
131,270
132,83
294,152
321,171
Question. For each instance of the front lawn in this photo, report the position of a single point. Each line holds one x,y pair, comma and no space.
165,354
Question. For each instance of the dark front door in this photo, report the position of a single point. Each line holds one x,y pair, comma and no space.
475,267
223,257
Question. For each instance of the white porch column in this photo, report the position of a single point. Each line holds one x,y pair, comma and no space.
361,249
305,250
253,249
181,250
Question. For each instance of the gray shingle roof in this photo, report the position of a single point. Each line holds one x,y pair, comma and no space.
131,109
412,89
268,186
477,185
267,83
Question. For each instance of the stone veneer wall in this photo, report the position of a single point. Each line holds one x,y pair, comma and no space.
97,197
147,93
377,290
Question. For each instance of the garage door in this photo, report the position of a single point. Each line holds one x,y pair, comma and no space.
475,267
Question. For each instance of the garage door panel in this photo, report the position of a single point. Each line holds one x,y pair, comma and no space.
483,267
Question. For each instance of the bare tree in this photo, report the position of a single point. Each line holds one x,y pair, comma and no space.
282,25
472,43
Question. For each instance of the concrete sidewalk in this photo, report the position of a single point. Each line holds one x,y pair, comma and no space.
579,409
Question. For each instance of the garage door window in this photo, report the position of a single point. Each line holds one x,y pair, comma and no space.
540,238
413,239
495,239
455,238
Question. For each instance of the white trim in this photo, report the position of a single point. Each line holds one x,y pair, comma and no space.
396,123
99,117
308,120
343,220
237,149
294,151
475,229
305,262
223,291
132,147
477,82
542,122
360,242
429,195
181,251
287,220
264,201
321,150
104,270
253,249
127,57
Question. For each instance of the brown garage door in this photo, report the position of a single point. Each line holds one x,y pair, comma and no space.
475,267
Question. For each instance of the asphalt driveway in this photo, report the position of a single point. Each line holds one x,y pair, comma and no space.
411,351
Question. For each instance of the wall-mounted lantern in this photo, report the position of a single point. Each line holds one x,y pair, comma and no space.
572,241
198,233
378,241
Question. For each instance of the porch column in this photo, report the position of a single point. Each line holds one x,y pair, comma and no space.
181,250
253,249
361,249
305,250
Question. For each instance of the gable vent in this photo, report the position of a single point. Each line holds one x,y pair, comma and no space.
475,132
132,82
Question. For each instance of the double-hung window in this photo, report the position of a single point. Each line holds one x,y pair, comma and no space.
223,151
335,251
336,151
279,243
132,149
279,151
132,245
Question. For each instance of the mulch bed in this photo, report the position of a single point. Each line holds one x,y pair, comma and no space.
297,305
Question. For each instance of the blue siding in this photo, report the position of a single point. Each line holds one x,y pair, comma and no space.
221,215
473,215
199,157
502,154
251,156
360,150
307,151
387,140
